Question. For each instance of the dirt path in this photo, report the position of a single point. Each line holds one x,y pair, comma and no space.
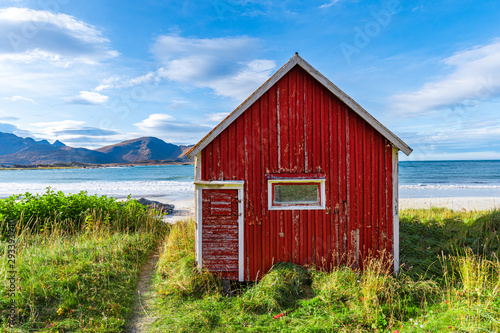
141,319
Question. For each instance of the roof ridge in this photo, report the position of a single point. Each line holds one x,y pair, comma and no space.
298,60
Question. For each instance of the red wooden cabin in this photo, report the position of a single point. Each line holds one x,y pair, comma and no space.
300,173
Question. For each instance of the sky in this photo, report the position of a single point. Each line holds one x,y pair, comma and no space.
93,73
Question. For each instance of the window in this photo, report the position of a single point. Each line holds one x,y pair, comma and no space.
296,192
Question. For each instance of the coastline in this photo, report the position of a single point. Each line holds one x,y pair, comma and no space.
454,203
181,194
184,208
73,165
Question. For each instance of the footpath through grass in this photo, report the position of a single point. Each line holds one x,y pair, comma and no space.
451,283
77,261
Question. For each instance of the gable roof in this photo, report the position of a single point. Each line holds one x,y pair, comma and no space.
297,60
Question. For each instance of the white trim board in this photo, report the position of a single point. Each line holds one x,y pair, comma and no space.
197,209
226,185
297,60
197,167
395,208
229,184
322,202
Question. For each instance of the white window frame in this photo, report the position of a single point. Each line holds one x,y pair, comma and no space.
291,180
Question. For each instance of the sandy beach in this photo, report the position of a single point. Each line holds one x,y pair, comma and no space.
455,203
184,208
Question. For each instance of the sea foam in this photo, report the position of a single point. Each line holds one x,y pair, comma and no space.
170,189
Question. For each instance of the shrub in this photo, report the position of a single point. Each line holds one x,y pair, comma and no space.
55,211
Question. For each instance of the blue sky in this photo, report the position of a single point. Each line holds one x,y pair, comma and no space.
92,73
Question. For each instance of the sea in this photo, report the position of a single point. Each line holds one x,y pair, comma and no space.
417,179
442,179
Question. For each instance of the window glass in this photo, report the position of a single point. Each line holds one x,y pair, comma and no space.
296,194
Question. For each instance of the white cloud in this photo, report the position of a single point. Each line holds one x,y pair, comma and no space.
18,98
226,65
48,130
241,85
75,133
217,117
108,83
25,30
34,56
475,78
455,138
47,55
165,127
329,4
117,82
7,128
154,122
54,126
88,98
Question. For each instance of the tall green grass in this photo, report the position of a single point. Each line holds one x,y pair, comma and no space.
76,270
427,234
177,272
469,299
278,290
450,284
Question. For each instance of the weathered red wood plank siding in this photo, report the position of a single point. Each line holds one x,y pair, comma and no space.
298,126
220,231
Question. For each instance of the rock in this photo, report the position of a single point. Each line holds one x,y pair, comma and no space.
166,208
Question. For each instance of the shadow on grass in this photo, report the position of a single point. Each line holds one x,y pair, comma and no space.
425,235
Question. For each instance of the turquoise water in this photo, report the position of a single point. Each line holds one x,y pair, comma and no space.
450,172
449,179
172,181
182,173
416,179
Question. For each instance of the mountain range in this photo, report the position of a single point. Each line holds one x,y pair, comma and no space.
27,151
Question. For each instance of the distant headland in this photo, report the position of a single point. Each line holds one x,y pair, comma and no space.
18,152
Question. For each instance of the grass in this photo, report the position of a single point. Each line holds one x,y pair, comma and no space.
451,283
77,261
426,234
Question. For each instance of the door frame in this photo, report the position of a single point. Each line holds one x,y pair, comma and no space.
220,185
